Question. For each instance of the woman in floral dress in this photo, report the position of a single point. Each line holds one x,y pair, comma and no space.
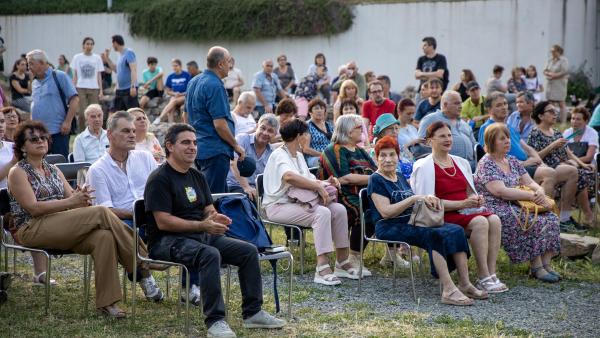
497,177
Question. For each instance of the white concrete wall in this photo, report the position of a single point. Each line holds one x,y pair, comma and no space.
384,38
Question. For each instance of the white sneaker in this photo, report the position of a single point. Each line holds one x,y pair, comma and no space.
195,298
263,320
151,289
386,260
220,329
355,260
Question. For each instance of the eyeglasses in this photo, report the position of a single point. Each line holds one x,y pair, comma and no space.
553,111
36,138
376,91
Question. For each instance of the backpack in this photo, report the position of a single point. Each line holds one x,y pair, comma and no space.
247,226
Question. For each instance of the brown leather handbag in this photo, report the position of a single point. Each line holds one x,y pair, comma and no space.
426,217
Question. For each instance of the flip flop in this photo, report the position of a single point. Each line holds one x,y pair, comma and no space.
474,293
462,301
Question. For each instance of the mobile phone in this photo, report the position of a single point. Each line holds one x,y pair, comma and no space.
575,134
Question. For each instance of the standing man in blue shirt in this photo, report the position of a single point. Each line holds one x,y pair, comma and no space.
47,104
207,104
126,68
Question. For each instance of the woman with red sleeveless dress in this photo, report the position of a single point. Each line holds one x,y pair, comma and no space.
450,178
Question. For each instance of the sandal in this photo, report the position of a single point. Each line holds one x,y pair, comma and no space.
40,280
460,301
328,279
547,278
472,292
111,311
340,272
491,284
551,271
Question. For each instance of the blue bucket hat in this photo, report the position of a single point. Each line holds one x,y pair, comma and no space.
384,121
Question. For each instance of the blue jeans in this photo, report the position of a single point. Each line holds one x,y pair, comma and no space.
60,144
215,170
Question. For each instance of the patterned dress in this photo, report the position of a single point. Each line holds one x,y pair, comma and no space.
520,246
538,141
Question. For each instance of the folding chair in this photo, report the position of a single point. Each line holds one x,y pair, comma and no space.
71,158
479,152
55,158
139,221
364,206
70,170
297,227
8,243
261,257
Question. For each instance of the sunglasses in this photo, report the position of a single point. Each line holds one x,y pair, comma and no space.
36,139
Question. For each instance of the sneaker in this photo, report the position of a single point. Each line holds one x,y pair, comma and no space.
263,320
194,295
569,227
355,261
151,290
577,225
220,329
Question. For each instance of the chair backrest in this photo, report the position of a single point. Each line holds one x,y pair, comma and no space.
55,158
260,190
71,158
4,201
314,170
70,170
479,152
139,213
363,202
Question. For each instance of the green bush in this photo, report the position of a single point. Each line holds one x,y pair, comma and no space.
201,20
237,20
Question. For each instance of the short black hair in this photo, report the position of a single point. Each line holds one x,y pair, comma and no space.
118,39
86,39
498,69
538,110
430,40
173,132
292,129
151,59
21,137
385,78
192,64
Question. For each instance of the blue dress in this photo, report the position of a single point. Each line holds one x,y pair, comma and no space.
445,240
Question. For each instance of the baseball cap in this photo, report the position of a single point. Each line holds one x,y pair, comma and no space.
472,85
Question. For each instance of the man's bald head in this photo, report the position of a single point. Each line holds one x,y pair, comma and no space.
216,55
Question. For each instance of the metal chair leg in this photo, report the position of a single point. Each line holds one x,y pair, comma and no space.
291,259
412,276
47,284
394,264
124,285
187,300
90,265
227,291
85,284
302,242
168,272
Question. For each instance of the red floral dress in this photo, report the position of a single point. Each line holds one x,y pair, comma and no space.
451,184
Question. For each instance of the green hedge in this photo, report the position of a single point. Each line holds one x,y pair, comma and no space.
201,20
238,19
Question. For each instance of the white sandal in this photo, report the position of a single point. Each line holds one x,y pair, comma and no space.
328,279
40,280
490,285
350,273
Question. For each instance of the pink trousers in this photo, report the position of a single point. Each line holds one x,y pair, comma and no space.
329,224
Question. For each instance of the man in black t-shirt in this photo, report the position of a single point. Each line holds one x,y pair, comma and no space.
431,65
184,227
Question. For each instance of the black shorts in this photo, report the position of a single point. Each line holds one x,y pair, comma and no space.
152,93
531,170
124,101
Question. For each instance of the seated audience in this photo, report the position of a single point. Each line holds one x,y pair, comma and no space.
473,110
257,146
387,88
287,173
516,83
391,201
320,132
497,107
48,213
352,73
553,150
520,120
267,87
13,118
494,84
145,140
91,144
462,134
7,156
20,86
184,227
431,104
286,74
497,178
307,90
175,86
352,166
192,68
454,186
233,82
324,83
533,84
585,143
466,76
351,107
152,81
376,105
407,134
348,91
286,110
242,114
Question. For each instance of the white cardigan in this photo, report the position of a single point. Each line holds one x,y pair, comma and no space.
422,179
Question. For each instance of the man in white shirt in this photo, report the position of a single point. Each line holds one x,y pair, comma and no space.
91,144
87,78
119,178
242,114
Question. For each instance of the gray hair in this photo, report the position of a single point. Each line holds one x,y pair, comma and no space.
245,96
92,107
493,96
343,127
269,119
215,55
527,95
446,96
37,55
113,120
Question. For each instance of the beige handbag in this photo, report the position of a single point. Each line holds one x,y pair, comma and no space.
426,217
